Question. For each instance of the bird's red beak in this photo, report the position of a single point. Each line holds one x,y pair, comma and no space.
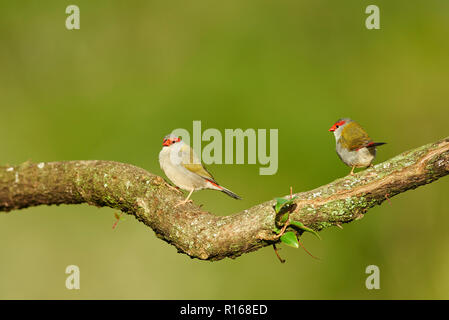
166,142
332,129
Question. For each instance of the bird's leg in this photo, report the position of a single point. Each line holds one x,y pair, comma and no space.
352,171
186,199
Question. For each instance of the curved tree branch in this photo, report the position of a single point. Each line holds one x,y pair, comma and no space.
201,234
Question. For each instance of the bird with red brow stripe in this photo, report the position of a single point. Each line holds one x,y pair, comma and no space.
354,147
183,167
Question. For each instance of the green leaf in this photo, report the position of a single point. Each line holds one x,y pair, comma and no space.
301,226
284,218
289,238
277,230
282,202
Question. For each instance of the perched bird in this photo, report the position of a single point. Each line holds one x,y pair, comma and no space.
183,168
354,147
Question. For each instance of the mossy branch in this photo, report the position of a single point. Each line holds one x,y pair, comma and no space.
201,234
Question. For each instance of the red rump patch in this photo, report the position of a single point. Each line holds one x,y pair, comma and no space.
215,184
371,144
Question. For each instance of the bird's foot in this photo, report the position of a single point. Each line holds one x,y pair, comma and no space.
184,202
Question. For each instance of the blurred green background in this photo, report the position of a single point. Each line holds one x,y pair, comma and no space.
138,69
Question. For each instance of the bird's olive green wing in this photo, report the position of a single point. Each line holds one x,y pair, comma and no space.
199,170
353,137
191,162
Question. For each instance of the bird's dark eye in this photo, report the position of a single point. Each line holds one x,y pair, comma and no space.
337,127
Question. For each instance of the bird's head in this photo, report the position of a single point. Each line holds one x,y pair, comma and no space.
169,140
338,126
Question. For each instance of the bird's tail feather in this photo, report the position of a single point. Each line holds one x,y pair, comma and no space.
376,144
223,189
230,193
